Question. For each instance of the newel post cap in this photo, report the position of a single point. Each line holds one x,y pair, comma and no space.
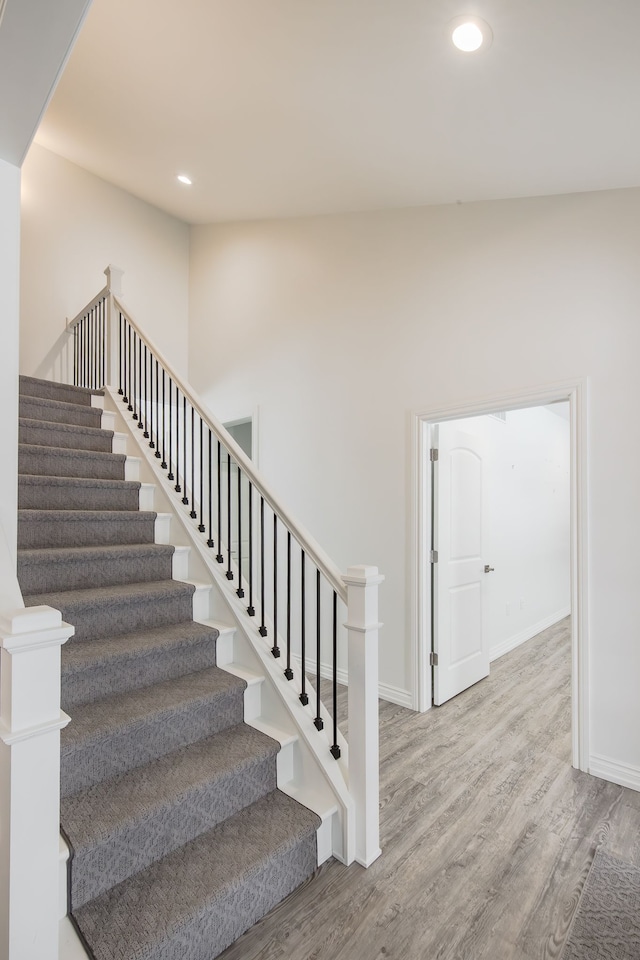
362,574
114,279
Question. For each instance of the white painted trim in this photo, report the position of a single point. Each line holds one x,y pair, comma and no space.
397,695
615,772
576,392
519,638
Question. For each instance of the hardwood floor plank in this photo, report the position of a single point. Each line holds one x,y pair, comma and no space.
488,833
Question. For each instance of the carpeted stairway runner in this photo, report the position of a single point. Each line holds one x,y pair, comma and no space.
180,840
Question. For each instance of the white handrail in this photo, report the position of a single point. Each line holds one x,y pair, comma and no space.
311,547
99,297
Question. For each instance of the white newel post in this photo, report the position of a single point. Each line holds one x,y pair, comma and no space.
30,724
114,284
364,776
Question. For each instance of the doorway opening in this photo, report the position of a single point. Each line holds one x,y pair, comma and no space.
468,578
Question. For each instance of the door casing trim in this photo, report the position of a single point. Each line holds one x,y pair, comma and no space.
421,423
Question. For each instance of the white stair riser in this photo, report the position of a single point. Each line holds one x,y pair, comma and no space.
62,881
132,468
108,420
180,563
146,496
163,528
119,443
201,602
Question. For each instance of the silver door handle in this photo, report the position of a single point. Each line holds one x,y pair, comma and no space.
488,569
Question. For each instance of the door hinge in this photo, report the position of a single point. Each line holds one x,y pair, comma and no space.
433,556
433,454
433,659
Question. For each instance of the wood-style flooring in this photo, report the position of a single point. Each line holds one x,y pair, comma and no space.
487,832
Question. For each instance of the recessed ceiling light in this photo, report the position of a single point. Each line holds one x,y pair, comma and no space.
470,33
184,179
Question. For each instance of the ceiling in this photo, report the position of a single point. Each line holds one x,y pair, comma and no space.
35,39
280,108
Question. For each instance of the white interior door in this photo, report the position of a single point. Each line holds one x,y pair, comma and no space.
460,639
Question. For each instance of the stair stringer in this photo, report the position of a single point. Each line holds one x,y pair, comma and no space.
319,781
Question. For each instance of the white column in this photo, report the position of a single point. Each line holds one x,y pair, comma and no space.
114,284
30,724
364,774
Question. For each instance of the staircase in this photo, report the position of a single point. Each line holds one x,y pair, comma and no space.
179,838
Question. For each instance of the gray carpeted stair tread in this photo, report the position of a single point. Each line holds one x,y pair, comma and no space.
66,435
81,528
76,493
180,839
111,736
119,827
111,611
36,387
134,660
54,569
47,460
59,411
196,901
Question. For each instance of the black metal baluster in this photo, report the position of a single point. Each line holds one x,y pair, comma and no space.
104,344
96,346
157,443
146,395
288,671
120,390
210,540
185,498
87,379
92,350
163,465
177,488
140,382
251,610
75,355
128,399
275,649
192,512
263,626
201,526
239,591
318,721
135,375
151,402
304,698
170,475
229,570
335,749
219,557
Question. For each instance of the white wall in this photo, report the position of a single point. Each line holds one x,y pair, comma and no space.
339,327
526,527
73,225
9,313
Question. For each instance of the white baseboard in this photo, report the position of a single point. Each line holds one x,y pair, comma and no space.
403,698
615,772
514,641
386,691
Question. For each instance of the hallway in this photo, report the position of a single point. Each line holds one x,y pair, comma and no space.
487,832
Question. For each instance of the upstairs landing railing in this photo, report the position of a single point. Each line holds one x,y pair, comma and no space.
296,596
